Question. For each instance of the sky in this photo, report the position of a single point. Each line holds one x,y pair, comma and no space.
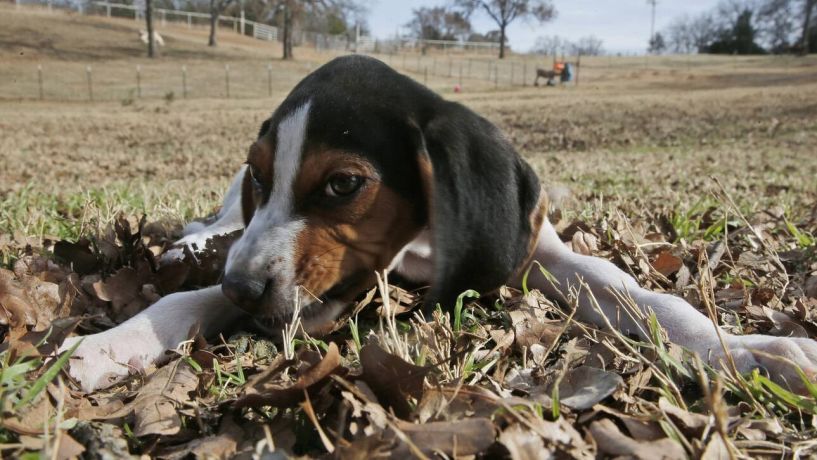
623,25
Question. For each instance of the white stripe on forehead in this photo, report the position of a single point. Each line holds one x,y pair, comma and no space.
272,230
290,144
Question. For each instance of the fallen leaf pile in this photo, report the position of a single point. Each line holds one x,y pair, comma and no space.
513,378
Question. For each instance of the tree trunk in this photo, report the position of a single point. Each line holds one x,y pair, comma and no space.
213,23
502,41
804,41
287,31
149,24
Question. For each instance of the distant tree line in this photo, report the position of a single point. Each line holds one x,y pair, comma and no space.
452,20
331,17
555,45
743,27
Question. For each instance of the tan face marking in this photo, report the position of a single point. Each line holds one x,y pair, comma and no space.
347,240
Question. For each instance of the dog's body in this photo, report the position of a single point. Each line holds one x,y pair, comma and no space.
361,169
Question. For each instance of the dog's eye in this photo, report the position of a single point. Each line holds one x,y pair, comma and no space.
257,186
343,185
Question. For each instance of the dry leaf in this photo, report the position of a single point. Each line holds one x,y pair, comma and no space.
810,287
68,447
690,423
289,394
523,444
155,405
613,442
716,449
583,387
77,255
463,437
667,264
531,325
392,379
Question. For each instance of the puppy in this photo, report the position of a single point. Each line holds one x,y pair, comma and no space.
361,169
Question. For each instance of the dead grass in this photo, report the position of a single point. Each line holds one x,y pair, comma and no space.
637,152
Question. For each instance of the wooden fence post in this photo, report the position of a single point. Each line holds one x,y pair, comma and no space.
496,76
90,83
425,75
269,79
524,73
227,79
184,81
40,81
139,81
578,65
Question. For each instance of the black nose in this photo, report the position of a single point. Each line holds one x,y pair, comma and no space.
243,290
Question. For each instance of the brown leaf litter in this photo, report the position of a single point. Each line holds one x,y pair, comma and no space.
518,381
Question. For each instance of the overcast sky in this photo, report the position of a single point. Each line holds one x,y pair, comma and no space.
623,25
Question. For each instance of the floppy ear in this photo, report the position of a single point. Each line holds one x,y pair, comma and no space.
483,202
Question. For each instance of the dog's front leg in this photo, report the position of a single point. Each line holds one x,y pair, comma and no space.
685,325
229,219
107,357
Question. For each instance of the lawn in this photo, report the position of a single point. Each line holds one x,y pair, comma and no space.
694,174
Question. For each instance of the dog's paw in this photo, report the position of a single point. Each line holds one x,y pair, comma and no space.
104,359
779,356
200,240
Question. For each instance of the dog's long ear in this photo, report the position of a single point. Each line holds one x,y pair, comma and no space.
483,202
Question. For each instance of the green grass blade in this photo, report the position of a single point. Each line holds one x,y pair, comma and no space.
49,375
470,293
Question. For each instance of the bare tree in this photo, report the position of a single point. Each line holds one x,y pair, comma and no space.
293,10
679,35
653,39
551,45
555,45
149,26
776,24
504,12
687,34
287,7
657,44
808,7
771,24
492,36
216,7
587,46
439,23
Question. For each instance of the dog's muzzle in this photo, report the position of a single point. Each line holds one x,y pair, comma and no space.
244,291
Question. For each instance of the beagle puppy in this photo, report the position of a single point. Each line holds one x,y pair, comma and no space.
362,169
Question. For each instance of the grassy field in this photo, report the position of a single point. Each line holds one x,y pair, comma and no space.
673,155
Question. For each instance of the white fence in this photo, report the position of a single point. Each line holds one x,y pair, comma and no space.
242,26
265,32
239,24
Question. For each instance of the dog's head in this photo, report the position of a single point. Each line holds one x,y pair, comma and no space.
351,167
